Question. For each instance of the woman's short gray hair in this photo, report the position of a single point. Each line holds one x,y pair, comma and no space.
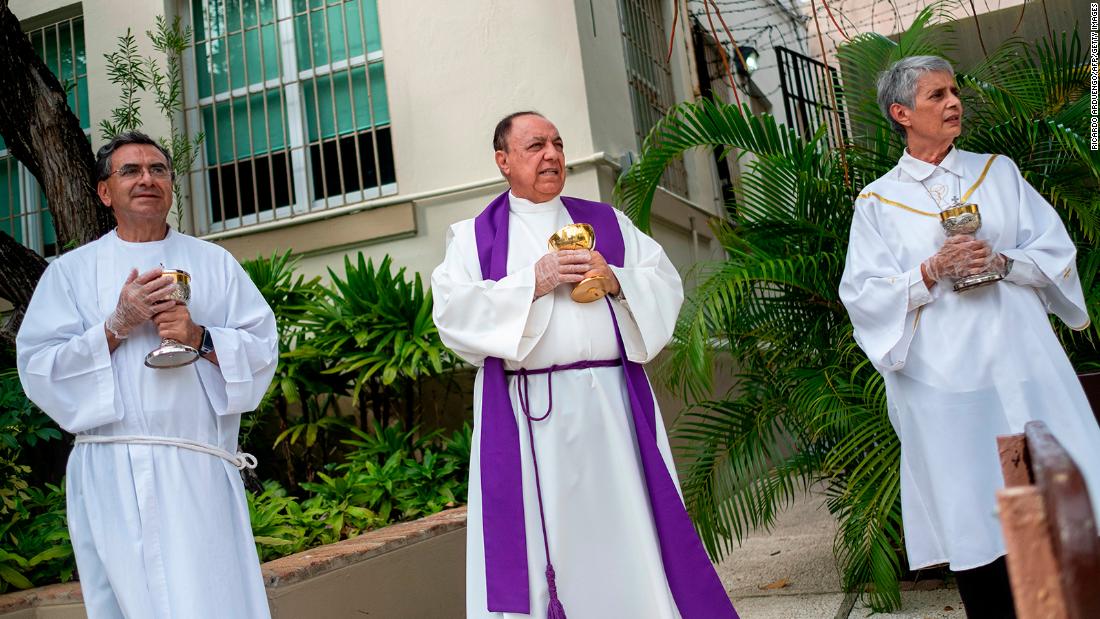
898,84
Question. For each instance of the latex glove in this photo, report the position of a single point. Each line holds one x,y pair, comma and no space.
960,256
998,264
142,297
560,267
598,267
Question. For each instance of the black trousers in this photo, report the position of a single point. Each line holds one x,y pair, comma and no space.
986,592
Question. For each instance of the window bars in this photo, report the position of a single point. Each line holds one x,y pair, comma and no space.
291,97
807,100
24,214
649,76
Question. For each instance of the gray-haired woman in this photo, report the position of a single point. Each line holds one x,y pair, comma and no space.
962,366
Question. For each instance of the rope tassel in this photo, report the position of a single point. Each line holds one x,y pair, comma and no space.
555,610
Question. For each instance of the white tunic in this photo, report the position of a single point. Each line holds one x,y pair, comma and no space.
158,531
602,538
963,368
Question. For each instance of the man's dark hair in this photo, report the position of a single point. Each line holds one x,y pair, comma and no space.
103,156
504,127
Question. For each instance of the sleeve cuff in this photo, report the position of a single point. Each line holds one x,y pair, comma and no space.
919,294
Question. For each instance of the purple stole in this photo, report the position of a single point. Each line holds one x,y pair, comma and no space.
695,586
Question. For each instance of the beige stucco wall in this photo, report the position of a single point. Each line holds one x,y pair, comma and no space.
452,70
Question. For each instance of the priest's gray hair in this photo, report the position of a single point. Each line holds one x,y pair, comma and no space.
103,155
898,84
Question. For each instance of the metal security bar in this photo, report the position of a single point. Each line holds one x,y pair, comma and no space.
291,97
806,97
24,214
649,76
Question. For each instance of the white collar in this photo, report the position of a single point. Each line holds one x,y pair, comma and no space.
523,205
921,170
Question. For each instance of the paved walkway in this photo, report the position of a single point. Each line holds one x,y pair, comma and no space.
790,573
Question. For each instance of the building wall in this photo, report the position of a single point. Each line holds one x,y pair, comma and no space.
452,70
999,19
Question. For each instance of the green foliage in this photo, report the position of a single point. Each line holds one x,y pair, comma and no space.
301,402
134,74
377,325
34,540
808,406
391,474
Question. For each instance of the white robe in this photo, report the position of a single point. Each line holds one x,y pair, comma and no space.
158,531
963,368
602,538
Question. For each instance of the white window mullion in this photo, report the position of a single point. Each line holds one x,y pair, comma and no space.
192,124
295,110
32,218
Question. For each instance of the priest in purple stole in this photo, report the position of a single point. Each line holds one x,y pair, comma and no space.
574,507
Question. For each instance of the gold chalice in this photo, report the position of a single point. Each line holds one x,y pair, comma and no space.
580,236
170,353
965,219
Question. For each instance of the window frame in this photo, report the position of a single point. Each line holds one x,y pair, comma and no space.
290,84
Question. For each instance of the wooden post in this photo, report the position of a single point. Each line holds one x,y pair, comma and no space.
1032,568
1015,465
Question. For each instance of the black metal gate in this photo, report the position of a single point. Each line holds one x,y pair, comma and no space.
807,99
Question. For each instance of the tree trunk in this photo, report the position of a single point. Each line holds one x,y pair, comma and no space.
45,136
22,268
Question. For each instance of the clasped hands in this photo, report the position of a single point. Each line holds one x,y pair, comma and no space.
148,296
572,266
960,256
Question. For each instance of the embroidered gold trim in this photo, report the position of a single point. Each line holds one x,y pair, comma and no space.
981,178
966,196
898,204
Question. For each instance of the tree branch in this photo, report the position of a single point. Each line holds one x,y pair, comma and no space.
45,136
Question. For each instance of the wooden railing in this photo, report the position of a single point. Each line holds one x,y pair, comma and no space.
1049,528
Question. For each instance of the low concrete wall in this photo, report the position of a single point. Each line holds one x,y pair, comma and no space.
411,569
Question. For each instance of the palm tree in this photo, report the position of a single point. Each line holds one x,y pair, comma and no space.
807,405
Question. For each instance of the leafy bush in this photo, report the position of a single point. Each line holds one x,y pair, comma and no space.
391,475
377,329
34,540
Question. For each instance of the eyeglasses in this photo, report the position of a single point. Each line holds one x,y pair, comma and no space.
132,171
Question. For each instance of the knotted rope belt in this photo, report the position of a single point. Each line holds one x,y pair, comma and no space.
524,392
241,460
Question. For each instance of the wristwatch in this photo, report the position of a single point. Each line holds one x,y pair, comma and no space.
207,345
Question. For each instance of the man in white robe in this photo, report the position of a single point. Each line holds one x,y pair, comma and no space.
598,523
961,368
156,508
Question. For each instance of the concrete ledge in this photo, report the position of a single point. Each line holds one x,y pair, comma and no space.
290,580
50,595
295,568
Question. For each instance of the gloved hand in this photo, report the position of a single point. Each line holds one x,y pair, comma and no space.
960,256
555,268
141,298
998,264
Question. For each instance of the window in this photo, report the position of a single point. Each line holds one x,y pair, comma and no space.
291,97
649,76
23,211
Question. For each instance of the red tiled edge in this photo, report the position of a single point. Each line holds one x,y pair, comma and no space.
287,570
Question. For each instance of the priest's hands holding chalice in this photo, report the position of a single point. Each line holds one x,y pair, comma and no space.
572,266
159,295
960,256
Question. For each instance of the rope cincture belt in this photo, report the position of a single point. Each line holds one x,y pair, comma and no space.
524,391
241,460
